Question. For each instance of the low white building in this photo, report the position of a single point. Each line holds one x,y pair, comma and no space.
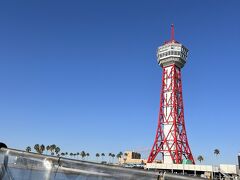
225,170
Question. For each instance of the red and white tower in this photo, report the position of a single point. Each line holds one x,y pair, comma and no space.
171,138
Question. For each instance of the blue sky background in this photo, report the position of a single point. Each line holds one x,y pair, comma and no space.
84,75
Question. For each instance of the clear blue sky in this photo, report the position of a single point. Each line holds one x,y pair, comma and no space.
83,74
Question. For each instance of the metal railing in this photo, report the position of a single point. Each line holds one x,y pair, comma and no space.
20,165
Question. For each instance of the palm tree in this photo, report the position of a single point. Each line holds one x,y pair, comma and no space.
42,149
200,158
62,154
78,154
97,156
119,156
36,147
120,153
71,154
113,156
109,155
216,152
87,155
57,150
66,153
102,155
48,148
28,149
52,148
83,154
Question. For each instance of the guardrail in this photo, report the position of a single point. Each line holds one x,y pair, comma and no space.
16,164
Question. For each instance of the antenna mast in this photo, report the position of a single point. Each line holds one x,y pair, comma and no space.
172,32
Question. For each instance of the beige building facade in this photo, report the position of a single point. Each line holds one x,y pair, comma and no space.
131,157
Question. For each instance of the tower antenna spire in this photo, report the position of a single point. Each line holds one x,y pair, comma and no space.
172,32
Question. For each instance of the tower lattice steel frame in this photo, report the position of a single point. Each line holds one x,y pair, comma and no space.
171,138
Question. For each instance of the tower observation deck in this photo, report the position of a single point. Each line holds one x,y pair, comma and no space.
171,138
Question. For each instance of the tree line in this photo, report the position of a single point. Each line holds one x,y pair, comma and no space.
216,152
54,150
